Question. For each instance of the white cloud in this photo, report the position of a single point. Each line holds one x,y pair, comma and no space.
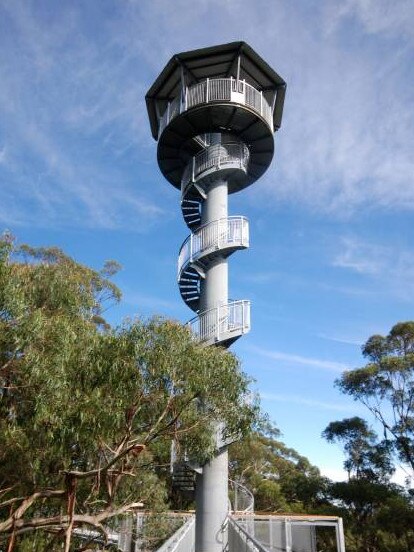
72,99
3,155
388,17
390,267
303,401
298,359
341,339
364,258
58,96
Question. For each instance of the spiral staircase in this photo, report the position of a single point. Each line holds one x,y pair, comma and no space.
221,324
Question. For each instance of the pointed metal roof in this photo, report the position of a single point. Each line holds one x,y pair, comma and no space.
215,61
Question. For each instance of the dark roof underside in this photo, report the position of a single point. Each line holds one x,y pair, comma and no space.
217,61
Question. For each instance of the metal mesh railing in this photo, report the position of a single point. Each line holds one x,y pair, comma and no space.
241,499
219,234
195,95
218,90
233,154
219,323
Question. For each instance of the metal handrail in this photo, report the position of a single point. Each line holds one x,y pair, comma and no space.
226,232
218,90
217,323
215,157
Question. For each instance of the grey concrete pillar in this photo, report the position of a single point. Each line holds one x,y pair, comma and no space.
214,287
212,505
212,484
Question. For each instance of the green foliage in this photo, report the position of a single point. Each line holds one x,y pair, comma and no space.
89,411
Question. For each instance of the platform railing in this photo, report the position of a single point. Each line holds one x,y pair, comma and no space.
216,235
219,323
218,156
218,90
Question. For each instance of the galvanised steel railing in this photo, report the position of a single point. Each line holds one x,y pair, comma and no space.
239,539
217,157
218,90
218,323
216,235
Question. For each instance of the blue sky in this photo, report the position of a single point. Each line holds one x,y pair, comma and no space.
331,259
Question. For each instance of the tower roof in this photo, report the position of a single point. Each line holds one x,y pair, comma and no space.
216,61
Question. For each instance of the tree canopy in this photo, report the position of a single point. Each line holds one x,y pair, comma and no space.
386,386
87,410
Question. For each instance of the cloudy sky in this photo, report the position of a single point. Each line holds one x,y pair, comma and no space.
331,259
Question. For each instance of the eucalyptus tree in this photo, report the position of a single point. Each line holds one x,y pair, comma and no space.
386,386
86,410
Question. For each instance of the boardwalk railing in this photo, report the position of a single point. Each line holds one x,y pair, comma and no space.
183,540
279,533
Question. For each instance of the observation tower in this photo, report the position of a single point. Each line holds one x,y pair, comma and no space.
214,112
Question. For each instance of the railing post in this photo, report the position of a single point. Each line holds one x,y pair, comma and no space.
261,103
339,531
193,174
270,532
288,536
191,247
207,81
168,113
